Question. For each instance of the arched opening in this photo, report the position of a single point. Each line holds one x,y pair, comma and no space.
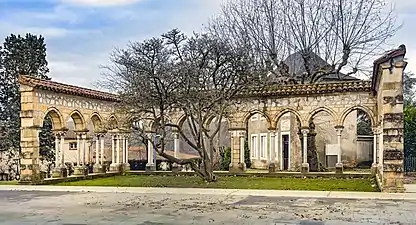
221,142
75,147
47,152
257,125
357,138
287,141
322,140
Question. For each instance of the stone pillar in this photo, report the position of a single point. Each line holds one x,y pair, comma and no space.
237,150
57,150
102,153
339,168
393,125
150,166
60,170
78,150
272,152
305,164
118,149
176,145
114,167
98,167
79,170
374,165
127,164
113,140
123,149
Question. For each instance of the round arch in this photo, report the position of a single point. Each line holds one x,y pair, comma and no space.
288,110
56,117
331,112
97,122
78,119
211,118
247,116
346,112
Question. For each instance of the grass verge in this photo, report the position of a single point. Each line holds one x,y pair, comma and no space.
232,182
14,182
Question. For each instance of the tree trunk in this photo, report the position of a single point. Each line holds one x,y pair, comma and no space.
312,151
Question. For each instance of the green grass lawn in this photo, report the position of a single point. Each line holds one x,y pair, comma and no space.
231,182
14,182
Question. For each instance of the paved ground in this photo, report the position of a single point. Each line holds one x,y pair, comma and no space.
54,207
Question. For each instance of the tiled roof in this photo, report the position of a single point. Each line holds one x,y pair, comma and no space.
66,89
308,89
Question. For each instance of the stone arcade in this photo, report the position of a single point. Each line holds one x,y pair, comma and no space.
381,98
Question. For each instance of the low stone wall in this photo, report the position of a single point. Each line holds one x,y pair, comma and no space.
50,181
253,174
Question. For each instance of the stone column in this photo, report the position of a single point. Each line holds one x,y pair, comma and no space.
59,171
98,167
126,164
374,165
113,140
339,168
123,147
237,151
102,152
78,149
115,165
272,152
118,149
176,145
305,164
150,166
380,149
97,150
57,151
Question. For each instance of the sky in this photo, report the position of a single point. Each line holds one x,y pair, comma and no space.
81,34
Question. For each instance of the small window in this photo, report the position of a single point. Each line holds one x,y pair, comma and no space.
72,146
263,146
254,146
254,117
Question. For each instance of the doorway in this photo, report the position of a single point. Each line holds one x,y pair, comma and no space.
285,151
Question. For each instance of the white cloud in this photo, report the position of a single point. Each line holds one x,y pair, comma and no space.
100,3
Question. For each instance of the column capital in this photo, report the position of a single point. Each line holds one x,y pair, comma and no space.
376,130
304,131
339,130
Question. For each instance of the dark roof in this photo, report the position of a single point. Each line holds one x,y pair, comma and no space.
297,66
66,88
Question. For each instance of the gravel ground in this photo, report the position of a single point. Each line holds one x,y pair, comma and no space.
35,207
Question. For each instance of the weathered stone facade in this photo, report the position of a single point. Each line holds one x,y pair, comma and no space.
381,99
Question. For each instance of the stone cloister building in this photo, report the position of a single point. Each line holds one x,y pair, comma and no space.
381,99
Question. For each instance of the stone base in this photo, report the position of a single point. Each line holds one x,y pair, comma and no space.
305,168
339,168
126,167
237,168
374,169
97,168
176,168
393,182
150,167
79,171
59,172
272,168
114,167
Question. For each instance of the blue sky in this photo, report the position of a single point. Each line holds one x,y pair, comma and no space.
81,34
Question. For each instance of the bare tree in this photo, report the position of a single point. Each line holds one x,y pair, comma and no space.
332,37
198,76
